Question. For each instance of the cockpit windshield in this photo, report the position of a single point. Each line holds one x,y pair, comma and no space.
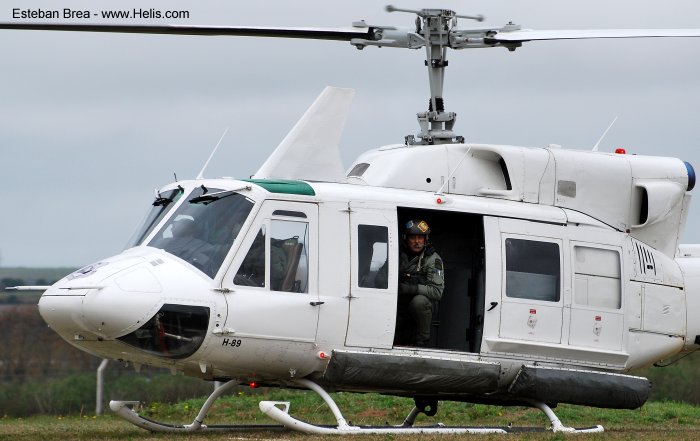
161,206
202,229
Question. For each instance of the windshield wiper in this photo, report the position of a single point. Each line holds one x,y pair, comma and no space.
209,198
161,201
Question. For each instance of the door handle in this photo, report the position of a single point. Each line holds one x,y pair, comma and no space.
316,303
493,305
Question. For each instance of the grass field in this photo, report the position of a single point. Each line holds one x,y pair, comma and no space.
654,421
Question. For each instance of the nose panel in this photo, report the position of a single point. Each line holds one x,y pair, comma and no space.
123,303
139,280
63,311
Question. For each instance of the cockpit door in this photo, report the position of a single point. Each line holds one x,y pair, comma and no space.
374,257
272,283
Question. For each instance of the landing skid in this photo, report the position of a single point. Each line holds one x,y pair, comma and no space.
125,409
279,411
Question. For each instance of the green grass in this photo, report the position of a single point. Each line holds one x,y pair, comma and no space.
654,421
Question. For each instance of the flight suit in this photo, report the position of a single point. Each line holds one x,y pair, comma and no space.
421,282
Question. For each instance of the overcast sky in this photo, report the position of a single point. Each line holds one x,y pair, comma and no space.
91,124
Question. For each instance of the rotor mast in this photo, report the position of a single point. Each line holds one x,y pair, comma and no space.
435,26
435,29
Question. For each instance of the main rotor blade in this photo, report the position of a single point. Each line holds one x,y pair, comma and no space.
342,34
532,35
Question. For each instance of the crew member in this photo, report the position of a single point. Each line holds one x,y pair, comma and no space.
421,282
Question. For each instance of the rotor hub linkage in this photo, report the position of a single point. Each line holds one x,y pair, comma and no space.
435,26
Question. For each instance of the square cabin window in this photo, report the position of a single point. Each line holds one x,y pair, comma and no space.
372,256
597,277
533,270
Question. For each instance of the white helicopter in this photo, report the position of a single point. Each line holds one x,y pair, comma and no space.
555,286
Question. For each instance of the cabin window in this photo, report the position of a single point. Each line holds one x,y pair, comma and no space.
358,170
597,279
532,270
372,256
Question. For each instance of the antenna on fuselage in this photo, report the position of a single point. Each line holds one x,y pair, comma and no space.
201,173
595,147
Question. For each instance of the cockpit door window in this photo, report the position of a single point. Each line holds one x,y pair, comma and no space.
284,256
289,256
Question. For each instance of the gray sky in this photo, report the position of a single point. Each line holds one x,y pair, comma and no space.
91,124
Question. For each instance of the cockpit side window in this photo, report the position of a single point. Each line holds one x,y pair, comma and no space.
252,270
203,228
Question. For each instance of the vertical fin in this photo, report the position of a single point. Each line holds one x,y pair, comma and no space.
311,150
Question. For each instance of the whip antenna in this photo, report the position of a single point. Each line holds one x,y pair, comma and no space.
442,187
201,173
595,147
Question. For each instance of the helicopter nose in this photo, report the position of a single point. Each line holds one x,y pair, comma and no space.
104,300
